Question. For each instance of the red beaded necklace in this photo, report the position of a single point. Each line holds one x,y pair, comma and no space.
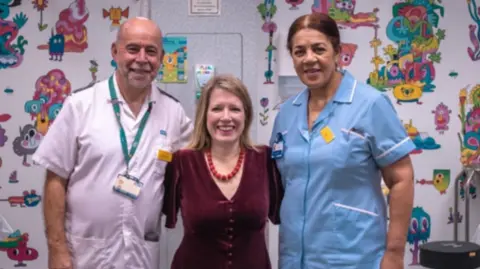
220,176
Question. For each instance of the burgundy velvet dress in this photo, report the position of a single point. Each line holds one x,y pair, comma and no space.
218,232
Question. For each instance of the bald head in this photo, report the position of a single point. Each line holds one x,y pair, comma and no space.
138,25
138,52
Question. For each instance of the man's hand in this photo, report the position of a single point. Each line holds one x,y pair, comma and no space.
392,260
59,258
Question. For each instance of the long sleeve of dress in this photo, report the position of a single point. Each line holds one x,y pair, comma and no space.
275,187
171,202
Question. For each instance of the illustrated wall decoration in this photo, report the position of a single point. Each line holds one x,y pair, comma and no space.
12,43
51,90
40,6
267,10
440,180
441,117
115,15
264,114
3,135
16,247
474,30
409,67
27,199
27,142
423,141
174,67
469,136
70,33
294,3
418,232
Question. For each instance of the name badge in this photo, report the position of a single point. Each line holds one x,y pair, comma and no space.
164,155
278,147
128,186
327,134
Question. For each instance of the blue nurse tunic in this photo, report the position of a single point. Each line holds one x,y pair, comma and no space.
333,214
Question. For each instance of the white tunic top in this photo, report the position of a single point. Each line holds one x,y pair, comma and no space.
104,228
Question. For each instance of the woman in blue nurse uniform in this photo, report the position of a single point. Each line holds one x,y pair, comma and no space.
333,143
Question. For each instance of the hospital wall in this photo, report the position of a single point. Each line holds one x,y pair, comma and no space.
250,44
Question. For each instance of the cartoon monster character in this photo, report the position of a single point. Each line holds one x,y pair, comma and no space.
27,143
346,54
56,47
50,93
442,117
408,92
11,55
441,180
17,250
71,24
115,14
418,231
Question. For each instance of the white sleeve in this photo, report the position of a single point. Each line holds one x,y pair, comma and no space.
58,150
186,129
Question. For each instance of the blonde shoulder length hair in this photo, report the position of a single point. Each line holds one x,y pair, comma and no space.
201,139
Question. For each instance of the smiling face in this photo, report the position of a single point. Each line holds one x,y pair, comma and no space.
225,117
314,58
138,53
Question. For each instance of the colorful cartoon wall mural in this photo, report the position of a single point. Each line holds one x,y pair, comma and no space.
40,6
441,117
3,136
70,33
409,66
422,140
267,10
469,115
418,232
474,30
27,142
27,199
11,42
51,90
115,15
17,250
440,180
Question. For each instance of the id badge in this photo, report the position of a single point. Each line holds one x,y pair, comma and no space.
277,150
128,186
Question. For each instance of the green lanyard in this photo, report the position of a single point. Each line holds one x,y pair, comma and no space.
123,139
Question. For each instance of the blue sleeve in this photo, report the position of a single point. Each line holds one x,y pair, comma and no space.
386,134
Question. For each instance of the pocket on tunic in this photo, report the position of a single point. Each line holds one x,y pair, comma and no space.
88,252
359,235
160,165
153,254
351,149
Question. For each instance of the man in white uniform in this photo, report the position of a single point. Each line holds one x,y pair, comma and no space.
105,157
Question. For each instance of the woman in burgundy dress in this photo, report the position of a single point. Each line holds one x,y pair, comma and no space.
225,187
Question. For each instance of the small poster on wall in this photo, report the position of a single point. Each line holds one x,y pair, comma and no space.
204,7
175,60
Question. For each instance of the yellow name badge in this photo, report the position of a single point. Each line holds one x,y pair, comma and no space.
164,155
327,134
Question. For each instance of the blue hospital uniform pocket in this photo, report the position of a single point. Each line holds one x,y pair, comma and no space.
351,149
359,236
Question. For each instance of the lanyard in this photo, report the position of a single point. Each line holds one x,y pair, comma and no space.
123,139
